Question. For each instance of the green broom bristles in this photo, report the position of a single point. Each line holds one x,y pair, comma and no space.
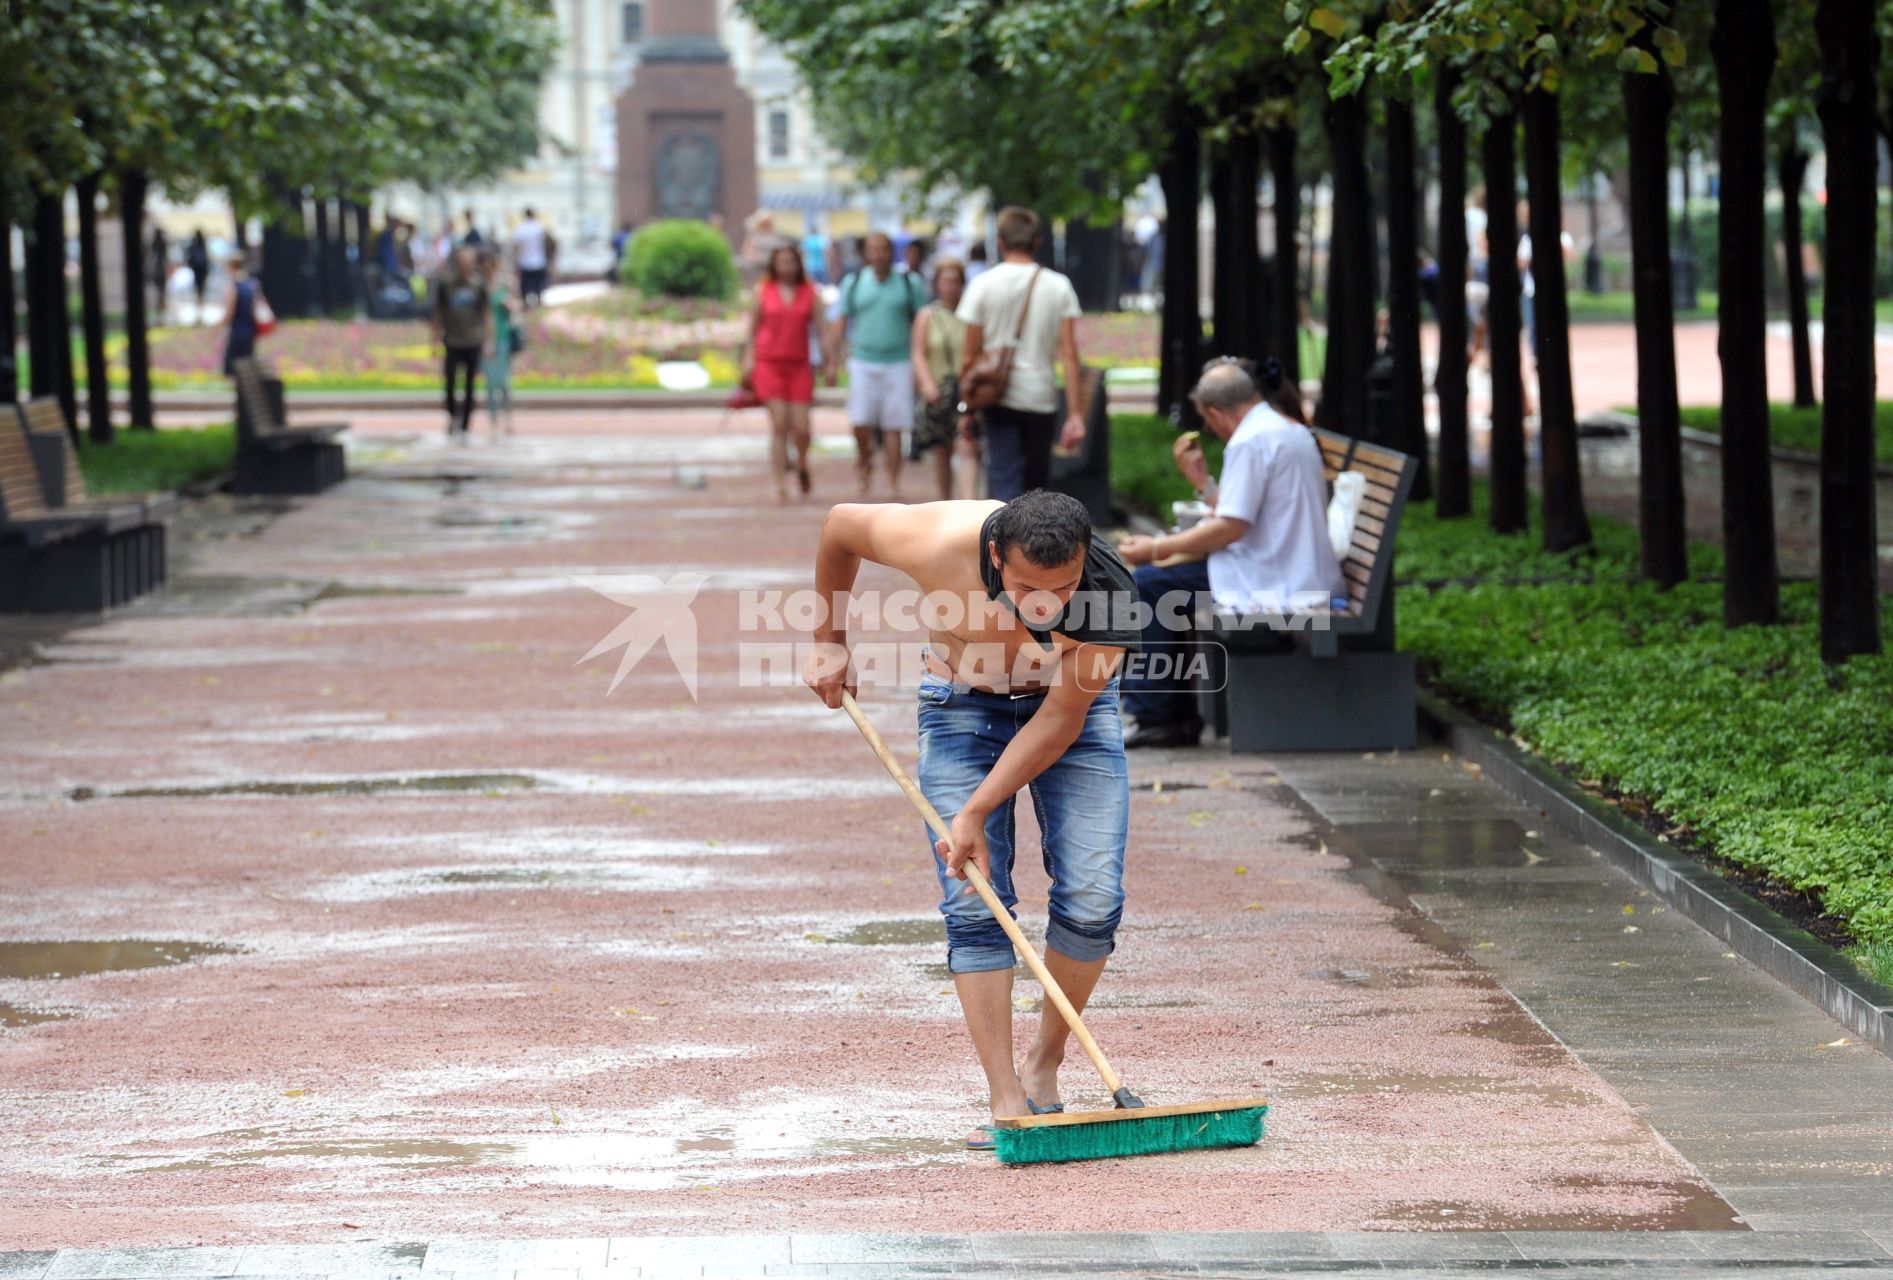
1129,1136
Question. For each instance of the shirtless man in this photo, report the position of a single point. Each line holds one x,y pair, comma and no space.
1021,691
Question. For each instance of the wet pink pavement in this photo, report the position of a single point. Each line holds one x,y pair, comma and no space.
518,958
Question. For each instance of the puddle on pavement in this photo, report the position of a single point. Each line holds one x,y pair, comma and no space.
1478,842
892,933
349,591
1410,1083
481,782
1685,1206
13,1015
395,1152
1372,979
44,960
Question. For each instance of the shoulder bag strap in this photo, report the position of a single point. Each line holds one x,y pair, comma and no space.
1019,335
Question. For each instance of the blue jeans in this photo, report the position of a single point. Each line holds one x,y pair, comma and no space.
1163,700
1018,451
1083,804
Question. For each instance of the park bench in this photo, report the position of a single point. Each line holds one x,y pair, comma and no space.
272,456
133,520
58,560
1342,686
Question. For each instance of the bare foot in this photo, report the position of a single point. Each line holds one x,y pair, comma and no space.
1040,1080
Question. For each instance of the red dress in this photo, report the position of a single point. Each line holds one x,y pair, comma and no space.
783,371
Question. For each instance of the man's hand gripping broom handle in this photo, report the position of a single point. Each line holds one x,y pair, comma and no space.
1123,1096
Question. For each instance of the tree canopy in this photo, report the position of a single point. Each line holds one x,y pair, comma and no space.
341,95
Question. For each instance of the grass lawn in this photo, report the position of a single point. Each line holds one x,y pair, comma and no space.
157,461
1619,308
1797,428
1740,743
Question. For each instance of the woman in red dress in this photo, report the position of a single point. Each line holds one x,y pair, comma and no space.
777,367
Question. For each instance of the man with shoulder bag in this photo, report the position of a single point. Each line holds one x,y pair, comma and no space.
1014,386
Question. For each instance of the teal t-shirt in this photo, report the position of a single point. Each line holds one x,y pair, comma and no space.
883,313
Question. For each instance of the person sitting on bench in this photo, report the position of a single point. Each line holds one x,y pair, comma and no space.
1266,547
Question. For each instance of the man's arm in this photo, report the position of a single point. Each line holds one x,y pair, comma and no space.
1074,431
1194,543
1082,675
970,353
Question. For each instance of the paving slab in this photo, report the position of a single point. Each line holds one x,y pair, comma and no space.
537,972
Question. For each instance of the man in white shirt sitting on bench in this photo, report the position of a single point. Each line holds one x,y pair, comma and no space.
1265,548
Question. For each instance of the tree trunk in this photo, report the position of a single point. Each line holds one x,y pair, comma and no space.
98,393
9,338
1744,47
1226,275
131,214
323,300
1850,602
1648,98
1791,168
1560,479
1511,512
1407,431
1238,292
1285,338
1351,271
1182,329
284,274
50,307
1091,253
1452,491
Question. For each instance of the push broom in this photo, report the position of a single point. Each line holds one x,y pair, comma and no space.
1132,1129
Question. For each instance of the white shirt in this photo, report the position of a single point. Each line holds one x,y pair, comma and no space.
529,245
1524,259
1272,479
992,301
1475,231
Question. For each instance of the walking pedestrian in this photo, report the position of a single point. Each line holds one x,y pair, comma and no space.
158,268
462,321
1035,311
529,259
939,342
881,304
243,305
197,258
785,321
502,344
815,256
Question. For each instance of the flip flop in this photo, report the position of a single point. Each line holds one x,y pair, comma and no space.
1055,1109
982,1144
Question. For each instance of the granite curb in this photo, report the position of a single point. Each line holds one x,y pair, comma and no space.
1793,956
1650,1253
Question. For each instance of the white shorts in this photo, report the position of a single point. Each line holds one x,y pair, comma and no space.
881,395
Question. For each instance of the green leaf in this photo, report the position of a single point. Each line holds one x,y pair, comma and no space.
1328,23
1671,46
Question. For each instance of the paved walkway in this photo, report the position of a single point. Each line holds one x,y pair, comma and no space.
382,921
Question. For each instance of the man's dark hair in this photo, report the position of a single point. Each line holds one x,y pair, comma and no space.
1049,529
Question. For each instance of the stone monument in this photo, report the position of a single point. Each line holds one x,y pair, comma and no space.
686,130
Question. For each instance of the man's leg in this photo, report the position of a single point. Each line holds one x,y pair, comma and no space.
1037,432
896,417
1153,690
864,415
959,740
1083,805
1005,462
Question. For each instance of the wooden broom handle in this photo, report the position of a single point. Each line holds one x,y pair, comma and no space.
1053,991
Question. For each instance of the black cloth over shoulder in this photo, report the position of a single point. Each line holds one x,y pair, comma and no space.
1100,611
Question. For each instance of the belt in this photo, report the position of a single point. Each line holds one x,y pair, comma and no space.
936,667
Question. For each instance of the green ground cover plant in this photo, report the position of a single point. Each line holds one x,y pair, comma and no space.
157,461
1740,744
